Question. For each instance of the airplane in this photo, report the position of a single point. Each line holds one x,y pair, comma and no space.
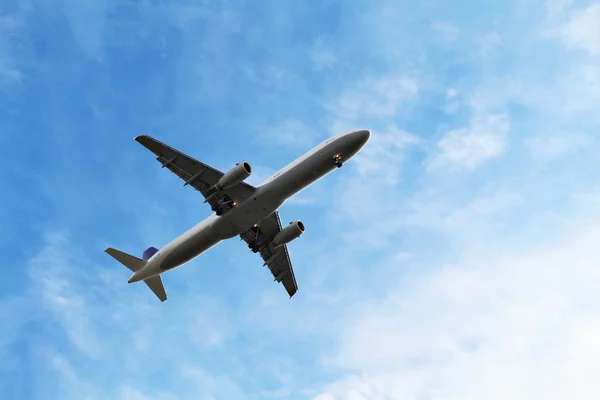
239,209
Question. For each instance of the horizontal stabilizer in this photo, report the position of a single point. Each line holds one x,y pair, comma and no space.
155,284
131,262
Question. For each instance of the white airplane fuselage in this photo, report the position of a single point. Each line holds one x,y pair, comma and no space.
268,197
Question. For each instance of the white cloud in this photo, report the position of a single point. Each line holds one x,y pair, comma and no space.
580,87
463,220
375,97
468,148
575,89
10,72
88,22
290,132
453,101
381,159
210,386
556,8
499,313
488,43
567,89
128,392
446,31
545,148
50,272
209,329
321,56
582,30
568,95
495,324
100,316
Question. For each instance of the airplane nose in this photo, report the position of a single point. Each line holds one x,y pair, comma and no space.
365,135
361,137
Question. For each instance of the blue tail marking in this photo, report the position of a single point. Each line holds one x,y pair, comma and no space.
149,252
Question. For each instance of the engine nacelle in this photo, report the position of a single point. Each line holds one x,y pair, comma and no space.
289,233
236,175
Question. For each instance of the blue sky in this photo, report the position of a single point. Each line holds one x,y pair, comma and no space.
454,258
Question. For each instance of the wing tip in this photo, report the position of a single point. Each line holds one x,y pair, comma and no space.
139,138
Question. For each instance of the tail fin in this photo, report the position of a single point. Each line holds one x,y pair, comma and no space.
135,264
149,252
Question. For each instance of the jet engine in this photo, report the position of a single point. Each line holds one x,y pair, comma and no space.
236,175
289,233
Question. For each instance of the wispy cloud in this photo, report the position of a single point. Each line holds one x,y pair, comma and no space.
321,56
101,321
580,31
545,148
290,132
375,97
472,327
469,315
468,148
446,31
51,273
10,68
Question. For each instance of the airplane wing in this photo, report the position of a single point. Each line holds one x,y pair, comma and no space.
278,260
195,173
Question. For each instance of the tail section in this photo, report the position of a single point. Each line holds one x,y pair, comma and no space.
149,252
131,262
155,284
135,264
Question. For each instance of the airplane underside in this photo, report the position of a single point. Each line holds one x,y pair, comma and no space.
239,209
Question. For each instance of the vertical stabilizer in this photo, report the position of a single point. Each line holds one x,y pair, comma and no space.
149,252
